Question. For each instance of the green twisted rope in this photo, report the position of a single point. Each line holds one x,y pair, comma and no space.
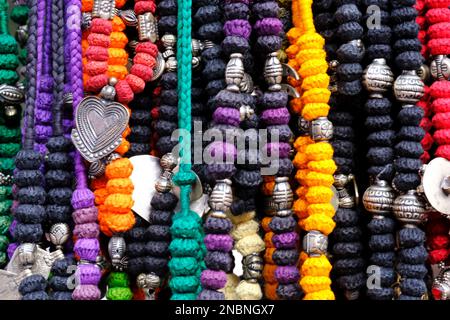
187,248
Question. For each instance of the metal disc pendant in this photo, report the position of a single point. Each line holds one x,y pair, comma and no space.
99,127
435,184
159,67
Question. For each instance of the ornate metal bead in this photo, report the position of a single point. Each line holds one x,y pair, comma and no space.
341,180
424,73
379,198
171,65
197,47
148,281
128,17
252,266
221,196
169,41
86,20
246,85
147,27
315,243
96,169
245,112
408,87
304,126
345,199
378,77
409,208
168,161
116,249
59,234
441,284
234,73
22,34
104,9
26,254
195,62
108,93
440,67
10,111
321,129
282,195
164,183
273,72
207,44
11,94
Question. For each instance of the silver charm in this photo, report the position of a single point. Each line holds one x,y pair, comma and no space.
435,184
246,112
104,9
221,198
30,256
11,94
86,20
147,27
282,196
59,234
321,129
96,169
290,90
148,281
128,17
168,161
440,67
99,127
171,65
315,243
304,126
378,77
252,266
10,111
234,72
116,249
22,34
408,87
379,198
409,208
273,72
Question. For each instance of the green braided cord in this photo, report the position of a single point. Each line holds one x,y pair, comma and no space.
4,16
119,287
19,14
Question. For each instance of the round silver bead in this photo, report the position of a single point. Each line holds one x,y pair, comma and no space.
408,87
196,47
163,184
221,196
409,208
96,169
108,93
252,266
379,198
195,62
440,67
315,243
321,129
378,77
113,81
169,40
59,234
168,161
171,64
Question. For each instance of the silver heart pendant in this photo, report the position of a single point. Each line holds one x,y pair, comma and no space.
98,128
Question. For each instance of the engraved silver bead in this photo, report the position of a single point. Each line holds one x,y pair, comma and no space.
409,208
168,161
11,94
169,41
378,77
245,112
321,129
315,243
234,72
148,281
440,67
147,27
96,169
27,254
59,234
171,64
116,249
163,184
379,198
128,17
341,180
252,266
108,93
282,195
424,73
273,72
104,9
408,87
246,84
221,197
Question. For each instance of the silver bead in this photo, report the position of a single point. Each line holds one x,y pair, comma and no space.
113,81
252,266
128,17
207,44
196,47
159,67
379,198
163,184
246,85
22,34
86,20
148,281
409,208
169,41
315,243
321,129
378,77
282,195
424,73
234,72
11,94
245,112
333,64
59,234
273,72
168,161
221,197
440,67
408,88
195,62
10,111
104,9
116,249
68,99
147,27
20,84
345,199
171,65
269,206
27,254
96,169
304,126
108,93
341,180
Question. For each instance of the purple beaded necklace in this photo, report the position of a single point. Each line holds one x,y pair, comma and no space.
85,213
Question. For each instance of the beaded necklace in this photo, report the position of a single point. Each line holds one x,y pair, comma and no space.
10,133
379,197
313,160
